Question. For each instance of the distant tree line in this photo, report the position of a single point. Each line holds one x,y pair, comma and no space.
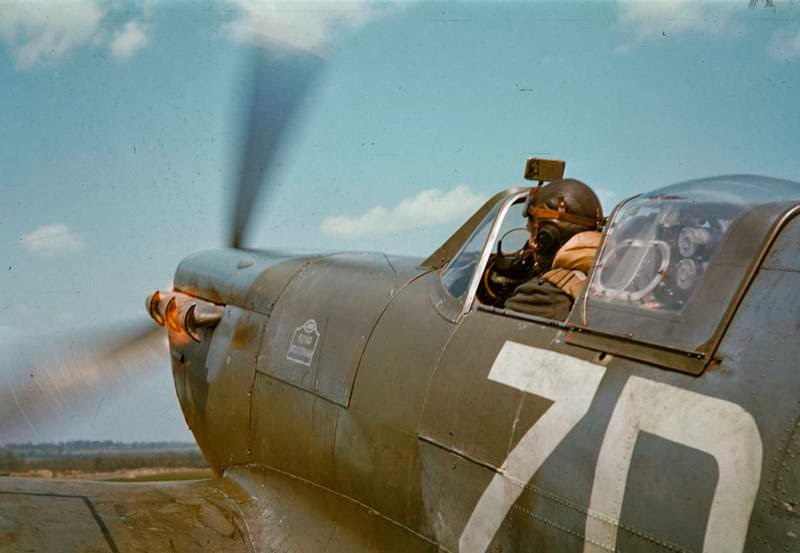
98,445
98,456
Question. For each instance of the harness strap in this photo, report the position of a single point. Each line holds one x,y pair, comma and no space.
545,213
561,214
570,281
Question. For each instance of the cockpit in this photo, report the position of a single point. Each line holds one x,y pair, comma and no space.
671,266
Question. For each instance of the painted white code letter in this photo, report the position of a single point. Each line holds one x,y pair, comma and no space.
571,383
715,426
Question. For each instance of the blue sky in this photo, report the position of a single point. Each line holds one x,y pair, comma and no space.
119,126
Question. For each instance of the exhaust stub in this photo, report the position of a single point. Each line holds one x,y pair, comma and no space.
183,313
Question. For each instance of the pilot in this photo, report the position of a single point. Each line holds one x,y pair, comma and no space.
564,220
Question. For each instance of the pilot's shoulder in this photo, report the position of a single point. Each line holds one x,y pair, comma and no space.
578,252
586,239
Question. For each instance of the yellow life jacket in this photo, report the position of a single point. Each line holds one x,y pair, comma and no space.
572,263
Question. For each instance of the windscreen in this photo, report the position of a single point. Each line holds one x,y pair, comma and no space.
458,273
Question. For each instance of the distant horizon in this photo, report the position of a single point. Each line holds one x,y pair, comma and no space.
88,444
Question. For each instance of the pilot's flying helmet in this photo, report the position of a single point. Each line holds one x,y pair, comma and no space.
561,209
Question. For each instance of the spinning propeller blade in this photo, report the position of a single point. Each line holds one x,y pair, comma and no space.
280,82
44,390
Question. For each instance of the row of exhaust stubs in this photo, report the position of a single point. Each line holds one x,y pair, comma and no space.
183,313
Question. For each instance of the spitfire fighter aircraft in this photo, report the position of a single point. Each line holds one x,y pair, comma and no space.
371,402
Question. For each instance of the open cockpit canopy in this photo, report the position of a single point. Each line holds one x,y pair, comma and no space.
659,245
675,261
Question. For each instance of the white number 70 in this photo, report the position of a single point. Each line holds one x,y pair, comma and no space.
714,426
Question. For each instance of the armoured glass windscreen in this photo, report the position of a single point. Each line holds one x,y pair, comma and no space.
458,273
514,220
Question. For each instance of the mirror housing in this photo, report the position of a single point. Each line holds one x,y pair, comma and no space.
544,170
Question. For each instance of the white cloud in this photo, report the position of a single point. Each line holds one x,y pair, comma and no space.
128,40
426,209
665,18
299,25
785,45
42,32
52,240
39,32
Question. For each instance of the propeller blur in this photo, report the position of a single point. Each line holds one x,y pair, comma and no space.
272,104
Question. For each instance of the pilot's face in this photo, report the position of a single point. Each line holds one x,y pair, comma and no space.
544,236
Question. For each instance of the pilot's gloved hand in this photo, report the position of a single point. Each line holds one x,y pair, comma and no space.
539,297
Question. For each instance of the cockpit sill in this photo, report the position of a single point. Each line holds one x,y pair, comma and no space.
621,346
